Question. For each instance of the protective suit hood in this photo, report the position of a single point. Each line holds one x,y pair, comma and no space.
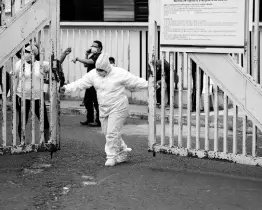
102,62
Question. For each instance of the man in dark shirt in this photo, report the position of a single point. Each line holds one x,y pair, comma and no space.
90,99
194,91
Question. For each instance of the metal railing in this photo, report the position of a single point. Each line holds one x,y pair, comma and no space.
25,75
218,128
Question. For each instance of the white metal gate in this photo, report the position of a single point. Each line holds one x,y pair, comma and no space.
26,25
232,130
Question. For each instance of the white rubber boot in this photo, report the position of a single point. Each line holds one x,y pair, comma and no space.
110,162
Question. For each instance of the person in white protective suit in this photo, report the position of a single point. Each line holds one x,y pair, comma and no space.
110,83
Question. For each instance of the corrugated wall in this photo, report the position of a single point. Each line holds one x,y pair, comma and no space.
127,44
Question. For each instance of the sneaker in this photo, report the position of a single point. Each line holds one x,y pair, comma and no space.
110,162
95,124
84,122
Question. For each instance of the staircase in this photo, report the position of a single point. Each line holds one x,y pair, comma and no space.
231,78
27,23
19,30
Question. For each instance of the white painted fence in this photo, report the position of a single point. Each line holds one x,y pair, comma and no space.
228,133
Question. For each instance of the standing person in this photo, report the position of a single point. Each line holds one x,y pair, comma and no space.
90,98
36,91
167,80
194,78
27,86
110,83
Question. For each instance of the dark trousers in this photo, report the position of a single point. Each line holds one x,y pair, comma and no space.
7,81
27,109
90,101
194,77
158,94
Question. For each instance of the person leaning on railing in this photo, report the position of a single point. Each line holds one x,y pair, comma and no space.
36,93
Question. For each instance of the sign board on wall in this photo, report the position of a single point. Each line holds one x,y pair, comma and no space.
203,23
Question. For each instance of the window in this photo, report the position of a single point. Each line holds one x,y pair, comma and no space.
141,10
82,10
119,10
104,10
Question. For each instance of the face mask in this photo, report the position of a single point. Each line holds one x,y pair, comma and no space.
27,57
101,73
93,49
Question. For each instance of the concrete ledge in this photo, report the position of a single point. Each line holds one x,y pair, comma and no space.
203,154
23,149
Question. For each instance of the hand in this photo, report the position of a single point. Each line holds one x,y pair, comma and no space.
75,60
68,51
158,84
88,52
62,90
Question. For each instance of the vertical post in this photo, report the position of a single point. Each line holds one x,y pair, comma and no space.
254,141
152,28
79,65
74,54
163,98
110,44
225,143
68,60
32,66
116,57
198,107
22,99
244,142
104,40
189,83
256,42
14,86
215,118
4,133
171,111
122,49
42,101
12,8
128,50
246,63
207,105
55,30
235,117
180,69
